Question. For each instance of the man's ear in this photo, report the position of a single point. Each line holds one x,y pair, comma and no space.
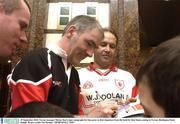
71,31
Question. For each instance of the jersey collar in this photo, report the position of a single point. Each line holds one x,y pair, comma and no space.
112,68
60,52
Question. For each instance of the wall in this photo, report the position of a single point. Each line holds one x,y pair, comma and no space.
125,21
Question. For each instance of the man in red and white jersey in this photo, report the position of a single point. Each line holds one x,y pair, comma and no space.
102,80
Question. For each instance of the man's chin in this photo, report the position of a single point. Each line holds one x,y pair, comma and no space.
105,61
76,63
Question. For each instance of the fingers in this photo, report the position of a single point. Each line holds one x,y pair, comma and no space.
105,109
114,114
109,108
130,100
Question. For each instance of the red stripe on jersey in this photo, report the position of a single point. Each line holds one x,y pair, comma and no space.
134,91
24,92
80,103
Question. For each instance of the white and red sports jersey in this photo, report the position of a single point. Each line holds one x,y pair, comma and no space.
99,84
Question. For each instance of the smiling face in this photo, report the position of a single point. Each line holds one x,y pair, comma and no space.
151,108
106,52
83,45
13,28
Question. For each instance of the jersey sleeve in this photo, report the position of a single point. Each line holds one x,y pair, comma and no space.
132,81
80,100
30,79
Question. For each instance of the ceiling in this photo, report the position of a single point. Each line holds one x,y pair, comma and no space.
159,21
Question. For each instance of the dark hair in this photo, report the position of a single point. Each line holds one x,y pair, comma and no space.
83,23
39,109
11,5
162,71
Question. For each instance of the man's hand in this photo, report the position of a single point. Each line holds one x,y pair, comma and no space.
104,109
130,100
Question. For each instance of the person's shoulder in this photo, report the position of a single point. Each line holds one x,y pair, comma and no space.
124,72
34,57
38,51
125,75
35,53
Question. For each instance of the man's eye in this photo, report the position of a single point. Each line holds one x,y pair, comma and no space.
113,46
23,26
103,44
91,45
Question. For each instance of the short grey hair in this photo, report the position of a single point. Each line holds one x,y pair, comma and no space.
83,23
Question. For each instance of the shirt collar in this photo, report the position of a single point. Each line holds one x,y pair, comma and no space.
58,50
91,67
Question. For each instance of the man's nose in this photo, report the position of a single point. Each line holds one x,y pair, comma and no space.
90,52
23,37
107,48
